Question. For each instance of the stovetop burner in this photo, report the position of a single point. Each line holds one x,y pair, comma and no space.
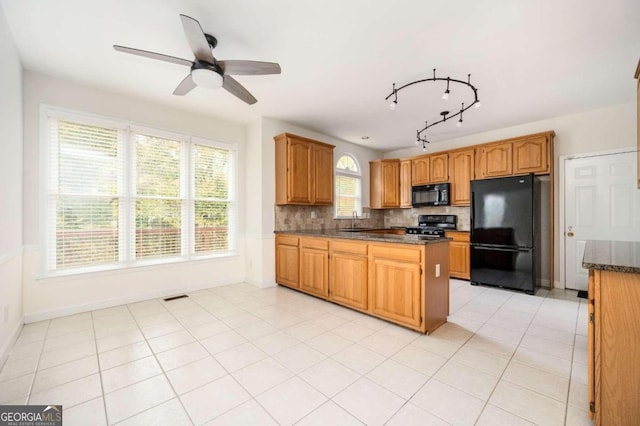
433,225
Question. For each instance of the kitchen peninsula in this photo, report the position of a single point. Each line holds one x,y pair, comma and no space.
613,331
403,279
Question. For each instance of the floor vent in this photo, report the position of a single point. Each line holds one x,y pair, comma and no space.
169,299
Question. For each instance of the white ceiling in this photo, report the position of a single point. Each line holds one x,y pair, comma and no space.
529,59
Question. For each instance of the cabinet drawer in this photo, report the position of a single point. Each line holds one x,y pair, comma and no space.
350,247
315,243
395,252
458,236
288,240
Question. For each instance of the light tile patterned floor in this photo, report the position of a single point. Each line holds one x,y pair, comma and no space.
242,355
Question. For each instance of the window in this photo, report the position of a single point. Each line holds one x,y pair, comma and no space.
119,195
348,187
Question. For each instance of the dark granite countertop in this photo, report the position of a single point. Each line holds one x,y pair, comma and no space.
367,236
617,256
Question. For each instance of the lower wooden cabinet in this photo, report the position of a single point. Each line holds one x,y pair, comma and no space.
613,347
403,283
395,290
349,273
287,262
314,266
459,255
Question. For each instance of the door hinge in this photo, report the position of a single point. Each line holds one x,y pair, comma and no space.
592,407
591,317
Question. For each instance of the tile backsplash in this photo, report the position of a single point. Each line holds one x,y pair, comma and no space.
297,218
409,217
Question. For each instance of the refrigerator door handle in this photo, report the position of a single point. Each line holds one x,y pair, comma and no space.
500,248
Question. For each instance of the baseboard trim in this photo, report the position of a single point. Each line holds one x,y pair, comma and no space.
109,303
261,284
6,349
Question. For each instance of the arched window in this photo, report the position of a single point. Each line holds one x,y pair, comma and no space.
348,194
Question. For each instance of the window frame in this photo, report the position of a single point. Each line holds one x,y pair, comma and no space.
127,194
347,173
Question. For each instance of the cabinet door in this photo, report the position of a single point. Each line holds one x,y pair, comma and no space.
391,183
459,260
405,183
531,156
287,272
439,168
323,175
591,349
462,165
299,177
496,160
314,271
348,284
395,290
420,171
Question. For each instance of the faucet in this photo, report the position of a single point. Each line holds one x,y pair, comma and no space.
354,217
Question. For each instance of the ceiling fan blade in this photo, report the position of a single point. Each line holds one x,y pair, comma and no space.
196,39
153,55
238,90
249,67
185,86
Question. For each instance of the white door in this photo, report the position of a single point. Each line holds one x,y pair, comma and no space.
602,202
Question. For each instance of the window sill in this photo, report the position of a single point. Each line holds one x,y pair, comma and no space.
118,269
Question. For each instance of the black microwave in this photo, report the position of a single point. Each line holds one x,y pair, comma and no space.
430,195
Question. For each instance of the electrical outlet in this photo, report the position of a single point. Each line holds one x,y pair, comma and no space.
6,314
313,215
437,270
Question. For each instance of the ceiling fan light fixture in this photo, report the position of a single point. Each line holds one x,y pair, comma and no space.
204,77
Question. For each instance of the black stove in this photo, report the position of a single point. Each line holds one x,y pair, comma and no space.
433,225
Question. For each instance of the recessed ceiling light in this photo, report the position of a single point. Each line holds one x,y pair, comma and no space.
364,138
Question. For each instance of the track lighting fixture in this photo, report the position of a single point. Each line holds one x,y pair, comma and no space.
392,105
420,137
445,95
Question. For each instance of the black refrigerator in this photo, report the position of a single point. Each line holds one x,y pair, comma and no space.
505,234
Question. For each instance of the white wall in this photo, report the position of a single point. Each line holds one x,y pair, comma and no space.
602,129
11,146
49,297
261,189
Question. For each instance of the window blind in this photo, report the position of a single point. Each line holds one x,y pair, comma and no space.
211,199
116,197
85,195
159,202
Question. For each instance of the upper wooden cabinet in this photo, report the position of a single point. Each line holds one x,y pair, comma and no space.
462,171
495,160
304,170
405,183
385,184
420,170
531,155
517,156
439,168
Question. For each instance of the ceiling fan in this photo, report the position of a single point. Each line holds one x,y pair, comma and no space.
206,71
